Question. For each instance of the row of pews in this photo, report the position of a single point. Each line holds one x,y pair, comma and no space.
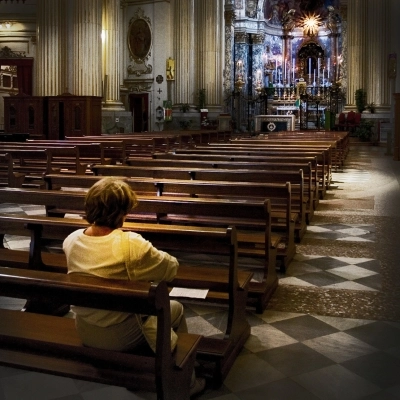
243,202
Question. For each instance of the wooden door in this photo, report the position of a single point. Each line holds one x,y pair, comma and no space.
139,106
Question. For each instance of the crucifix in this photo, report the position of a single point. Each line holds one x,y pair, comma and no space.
159,91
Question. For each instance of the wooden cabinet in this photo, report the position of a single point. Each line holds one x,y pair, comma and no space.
70,115
25,114
53,117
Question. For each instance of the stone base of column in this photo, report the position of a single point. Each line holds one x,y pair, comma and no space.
118,121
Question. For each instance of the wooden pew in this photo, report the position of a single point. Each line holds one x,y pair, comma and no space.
8,177
279,194
264,155
302,195
135,144
90,152
226,285
323,154
37,161
255,238
309,165
50,344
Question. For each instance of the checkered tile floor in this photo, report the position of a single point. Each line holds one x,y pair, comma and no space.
288,355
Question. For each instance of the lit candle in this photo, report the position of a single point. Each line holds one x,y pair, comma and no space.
319,66
284,77
329,67
293,68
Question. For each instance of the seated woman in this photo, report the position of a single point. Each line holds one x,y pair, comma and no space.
106,251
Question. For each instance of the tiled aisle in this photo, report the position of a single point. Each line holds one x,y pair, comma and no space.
331,331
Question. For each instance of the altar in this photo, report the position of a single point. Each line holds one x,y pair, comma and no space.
274,123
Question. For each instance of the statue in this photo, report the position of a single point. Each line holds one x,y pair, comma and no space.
333,20
288,23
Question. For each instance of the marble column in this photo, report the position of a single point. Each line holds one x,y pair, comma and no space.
377,51
49,62
209,50
396,149
357,64
229,68
87,48
184,51
258,53
111,55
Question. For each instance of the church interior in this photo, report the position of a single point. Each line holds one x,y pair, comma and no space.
330,328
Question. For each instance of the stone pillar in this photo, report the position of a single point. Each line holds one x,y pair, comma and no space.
209,50
87,48
286,53
111,54
357,63
50,65
229,68
184,51
396,149
377,50
258,52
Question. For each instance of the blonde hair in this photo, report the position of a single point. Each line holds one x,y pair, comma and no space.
108,201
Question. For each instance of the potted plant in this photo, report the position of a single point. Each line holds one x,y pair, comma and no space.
183,107
201,99
364,130
360,95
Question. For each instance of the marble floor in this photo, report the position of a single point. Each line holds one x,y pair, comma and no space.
332,328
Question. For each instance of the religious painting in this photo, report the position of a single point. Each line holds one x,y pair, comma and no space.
170,69
139,38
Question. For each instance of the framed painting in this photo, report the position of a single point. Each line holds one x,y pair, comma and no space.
139,39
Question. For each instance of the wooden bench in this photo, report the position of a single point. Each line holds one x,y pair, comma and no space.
135,144
226,285
37,161
302,195
287,153
264,155
90,152
8,177
282,216
308,164
50,344
255,238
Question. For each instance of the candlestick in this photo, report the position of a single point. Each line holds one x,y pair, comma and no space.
319,66
293,68
329,67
